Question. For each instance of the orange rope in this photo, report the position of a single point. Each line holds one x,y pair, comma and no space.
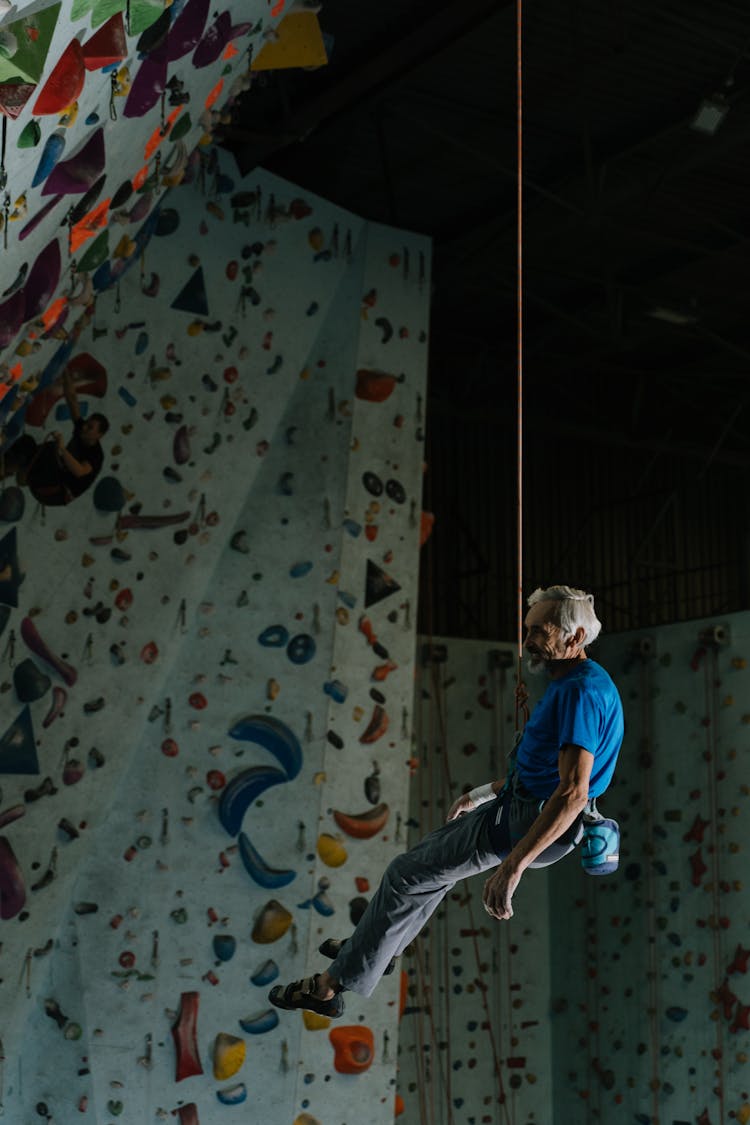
519,513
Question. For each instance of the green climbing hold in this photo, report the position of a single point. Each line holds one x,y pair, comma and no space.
30,135
97,253
182,125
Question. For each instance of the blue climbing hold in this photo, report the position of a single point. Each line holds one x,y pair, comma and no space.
301,649
300,569
275,636
337,691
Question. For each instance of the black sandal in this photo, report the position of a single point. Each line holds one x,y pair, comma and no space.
331,946
300,994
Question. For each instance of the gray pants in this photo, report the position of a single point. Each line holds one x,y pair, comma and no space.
414,885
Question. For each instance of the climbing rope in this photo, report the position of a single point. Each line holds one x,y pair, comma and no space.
522,711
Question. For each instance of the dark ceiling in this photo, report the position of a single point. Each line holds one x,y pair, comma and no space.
628,208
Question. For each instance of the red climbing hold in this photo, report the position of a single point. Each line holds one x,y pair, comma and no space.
215,779
149,652
170,748
739,964
698,868
696,831
198,701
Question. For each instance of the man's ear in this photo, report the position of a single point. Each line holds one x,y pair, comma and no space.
577,638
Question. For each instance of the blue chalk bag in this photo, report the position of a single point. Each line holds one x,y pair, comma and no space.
600,846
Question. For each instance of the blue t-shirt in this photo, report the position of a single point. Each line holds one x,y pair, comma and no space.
582,708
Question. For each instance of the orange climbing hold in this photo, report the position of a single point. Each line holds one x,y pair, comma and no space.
354,1049
362,825
374,386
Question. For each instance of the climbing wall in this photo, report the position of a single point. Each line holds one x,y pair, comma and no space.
650,989
202,656
475,1037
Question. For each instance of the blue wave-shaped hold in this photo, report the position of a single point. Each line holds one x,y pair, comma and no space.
258,1025
242,790
268,972
258,869
274,736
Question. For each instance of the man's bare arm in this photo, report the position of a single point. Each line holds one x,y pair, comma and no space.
568,800
71,397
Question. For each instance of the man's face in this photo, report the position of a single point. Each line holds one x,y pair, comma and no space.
543,642
90,432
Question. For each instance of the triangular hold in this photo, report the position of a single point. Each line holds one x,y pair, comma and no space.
107,45
378,585
18,746
33,36
193,297
10,573
80,171
299,43
64,83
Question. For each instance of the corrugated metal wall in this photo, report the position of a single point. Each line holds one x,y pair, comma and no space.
657,538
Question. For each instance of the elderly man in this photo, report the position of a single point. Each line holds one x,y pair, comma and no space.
565,758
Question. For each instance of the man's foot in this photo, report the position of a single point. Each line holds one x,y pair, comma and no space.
331,946
307,994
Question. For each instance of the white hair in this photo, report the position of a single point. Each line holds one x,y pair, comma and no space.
575,610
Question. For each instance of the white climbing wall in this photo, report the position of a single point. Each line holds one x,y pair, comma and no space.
284,600
622,998
659,1023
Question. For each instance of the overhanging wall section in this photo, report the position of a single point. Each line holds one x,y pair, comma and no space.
248,608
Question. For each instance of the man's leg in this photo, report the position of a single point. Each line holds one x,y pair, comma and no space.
411,889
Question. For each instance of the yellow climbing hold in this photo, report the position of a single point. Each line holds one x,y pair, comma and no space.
272,923
306,1119
229,1055
743,1114
331,850
314,1022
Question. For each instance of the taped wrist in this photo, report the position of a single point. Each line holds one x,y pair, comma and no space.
482,793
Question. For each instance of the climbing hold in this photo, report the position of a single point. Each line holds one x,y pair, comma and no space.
149,653
357,907
229,1055
241,791
235,1095
375,386
301,649
192,297
275,636
331,851
224,946
314,1022
274,736
12,886
267,973
378,585
337,691
109,495
30,682
181,446
18,746
51,153
258,869
377,726
372,483
258,1025
198,701
300,569
184,1033
354,1048
395,491
364,825
272,923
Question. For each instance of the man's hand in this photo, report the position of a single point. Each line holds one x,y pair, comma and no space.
498,891
462,805
59,440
